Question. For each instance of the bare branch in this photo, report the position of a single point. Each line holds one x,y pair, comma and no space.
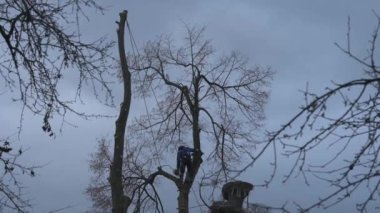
344,121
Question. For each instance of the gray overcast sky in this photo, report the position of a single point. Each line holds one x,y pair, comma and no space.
295,37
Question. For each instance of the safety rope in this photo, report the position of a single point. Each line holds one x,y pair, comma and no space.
134,51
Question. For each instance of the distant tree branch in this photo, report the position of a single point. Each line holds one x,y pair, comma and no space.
344,120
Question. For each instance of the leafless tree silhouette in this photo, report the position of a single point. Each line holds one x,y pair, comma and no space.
197,98
137,182
342,124
40,44
11,189
39,47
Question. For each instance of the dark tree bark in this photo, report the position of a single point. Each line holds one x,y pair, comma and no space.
118,200
183,199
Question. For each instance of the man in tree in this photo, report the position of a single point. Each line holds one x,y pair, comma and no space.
207,99
184,160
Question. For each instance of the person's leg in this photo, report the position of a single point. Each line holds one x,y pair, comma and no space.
189,171
181,169
179,155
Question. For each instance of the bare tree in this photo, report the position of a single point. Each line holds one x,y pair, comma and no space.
38,48
345,121
99,189
208,102
200,100
112,182
137,182
40,43
11,189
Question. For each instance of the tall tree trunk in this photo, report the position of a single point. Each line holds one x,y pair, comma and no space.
183,199
119,201
184,189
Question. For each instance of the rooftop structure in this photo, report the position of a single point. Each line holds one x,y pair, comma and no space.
234,194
